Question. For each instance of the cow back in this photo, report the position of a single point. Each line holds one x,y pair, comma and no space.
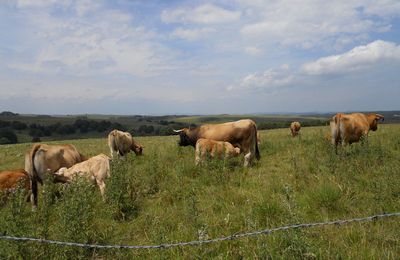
10,179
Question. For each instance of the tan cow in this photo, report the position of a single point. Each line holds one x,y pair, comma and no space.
96,169
122,143
295,128
214,149
12,180
349,128
45,159
242,134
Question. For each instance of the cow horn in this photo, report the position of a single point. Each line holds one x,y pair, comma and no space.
380,117
178,131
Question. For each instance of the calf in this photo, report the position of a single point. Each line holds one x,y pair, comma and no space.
215,149
96,169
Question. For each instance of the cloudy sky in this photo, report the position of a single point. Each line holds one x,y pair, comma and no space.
199,57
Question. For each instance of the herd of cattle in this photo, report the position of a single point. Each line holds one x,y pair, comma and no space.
225,140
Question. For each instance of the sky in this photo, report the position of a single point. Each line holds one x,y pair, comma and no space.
199,57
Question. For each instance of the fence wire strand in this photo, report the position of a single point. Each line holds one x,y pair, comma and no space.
202,242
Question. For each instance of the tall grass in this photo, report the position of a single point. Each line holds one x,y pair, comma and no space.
163,197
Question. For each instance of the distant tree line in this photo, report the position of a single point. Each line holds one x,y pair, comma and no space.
81,126
36,130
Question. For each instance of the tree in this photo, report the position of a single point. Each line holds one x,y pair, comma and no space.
8,136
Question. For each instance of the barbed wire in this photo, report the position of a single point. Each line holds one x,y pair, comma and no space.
206,241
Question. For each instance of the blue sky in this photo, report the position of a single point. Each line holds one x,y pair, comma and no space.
199,57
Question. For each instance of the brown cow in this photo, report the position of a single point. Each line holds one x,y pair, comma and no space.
214,149
349,128
122,143
96,169
242,134
295,128
11,180
45,159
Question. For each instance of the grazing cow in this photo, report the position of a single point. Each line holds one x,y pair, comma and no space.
258,138
96,169
45,159
122,143
295,128
214,149
14,179
242,134
349,128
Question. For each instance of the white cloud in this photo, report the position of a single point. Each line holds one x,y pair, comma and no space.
311,23
203,14
104,42
192,34
360,57
271,79
37,3
254,51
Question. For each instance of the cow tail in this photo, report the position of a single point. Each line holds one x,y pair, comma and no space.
33,174
255,141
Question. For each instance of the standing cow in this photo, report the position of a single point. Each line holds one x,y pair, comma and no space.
214,149
242,134
349,128
122,143
96,169
295,128
45,159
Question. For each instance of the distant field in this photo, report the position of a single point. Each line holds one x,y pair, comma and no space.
163,197
65,127
258,119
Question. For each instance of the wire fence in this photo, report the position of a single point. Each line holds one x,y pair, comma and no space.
202,242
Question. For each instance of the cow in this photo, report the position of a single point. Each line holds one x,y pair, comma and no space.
44,159
11,180
214,149
241,133
350,128
96,169
122,143
258,138
295,128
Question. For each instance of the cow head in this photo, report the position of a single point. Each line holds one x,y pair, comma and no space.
236,151
137,148
60,171
373,121
187,136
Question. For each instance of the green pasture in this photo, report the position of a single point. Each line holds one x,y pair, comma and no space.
162,197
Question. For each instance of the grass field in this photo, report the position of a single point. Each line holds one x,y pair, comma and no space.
163,197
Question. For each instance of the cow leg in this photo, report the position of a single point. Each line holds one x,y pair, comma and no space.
197,160
102,187
112,152
34,194
248,158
